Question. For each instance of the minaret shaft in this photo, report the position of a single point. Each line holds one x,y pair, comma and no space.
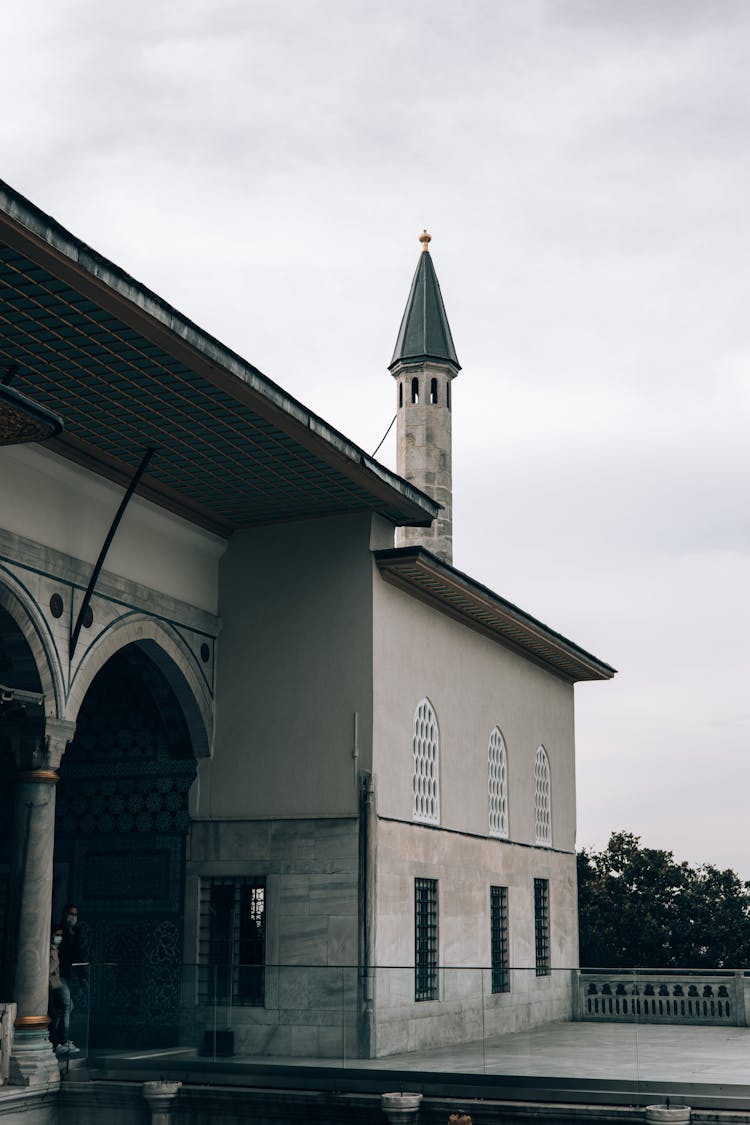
424,458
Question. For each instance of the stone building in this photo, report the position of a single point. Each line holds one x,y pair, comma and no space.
300,782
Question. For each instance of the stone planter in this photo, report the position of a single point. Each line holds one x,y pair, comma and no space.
675,1115
400,1109
161,1097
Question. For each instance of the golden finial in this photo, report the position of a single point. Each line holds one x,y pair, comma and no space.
425,239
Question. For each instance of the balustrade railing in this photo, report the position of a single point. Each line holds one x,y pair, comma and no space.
667,996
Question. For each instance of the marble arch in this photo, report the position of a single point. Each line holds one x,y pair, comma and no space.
174,659
19,604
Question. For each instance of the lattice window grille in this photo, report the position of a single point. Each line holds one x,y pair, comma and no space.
541,926
425,939
498,785
231,944
425,778
542,798
499,950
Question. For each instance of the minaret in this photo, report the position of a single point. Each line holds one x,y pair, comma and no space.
424,364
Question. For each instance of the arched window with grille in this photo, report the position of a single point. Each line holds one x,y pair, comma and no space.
497,768
542,798
426,760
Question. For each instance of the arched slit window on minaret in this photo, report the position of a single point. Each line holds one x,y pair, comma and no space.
433,392
400,395
415,389
448,394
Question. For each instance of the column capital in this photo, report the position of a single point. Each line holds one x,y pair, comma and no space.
42,750
57,734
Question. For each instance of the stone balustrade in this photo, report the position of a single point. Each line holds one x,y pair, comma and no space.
669,996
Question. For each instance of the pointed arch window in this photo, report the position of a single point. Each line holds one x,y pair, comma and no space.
433,391
497,767
426,765
542,798
415,390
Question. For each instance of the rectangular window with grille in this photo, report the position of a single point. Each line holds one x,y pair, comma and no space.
499,939
425,939
232,941
541,926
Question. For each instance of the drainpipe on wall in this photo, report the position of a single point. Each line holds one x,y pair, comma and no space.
367,816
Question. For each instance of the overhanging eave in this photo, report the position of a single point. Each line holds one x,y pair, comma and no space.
424,576
362,482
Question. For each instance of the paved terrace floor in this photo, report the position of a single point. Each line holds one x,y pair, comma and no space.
707,1065
648,1053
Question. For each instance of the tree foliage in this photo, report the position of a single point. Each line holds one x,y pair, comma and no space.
638,907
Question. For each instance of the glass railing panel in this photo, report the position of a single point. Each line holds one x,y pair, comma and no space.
506,1019
654,1033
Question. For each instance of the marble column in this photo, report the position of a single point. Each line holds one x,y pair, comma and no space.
33,1061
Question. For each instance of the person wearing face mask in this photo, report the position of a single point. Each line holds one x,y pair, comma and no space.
73,964
73,975
59,1010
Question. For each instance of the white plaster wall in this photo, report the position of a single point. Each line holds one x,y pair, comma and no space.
465,868
52,501
294,666
473,684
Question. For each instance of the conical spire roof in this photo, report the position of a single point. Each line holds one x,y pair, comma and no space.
425,332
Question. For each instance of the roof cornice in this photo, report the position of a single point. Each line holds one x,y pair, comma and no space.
43,240
448,590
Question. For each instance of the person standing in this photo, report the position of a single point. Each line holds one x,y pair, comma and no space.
73,974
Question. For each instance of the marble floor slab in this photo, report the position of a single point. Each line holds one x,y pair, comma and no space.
647,1053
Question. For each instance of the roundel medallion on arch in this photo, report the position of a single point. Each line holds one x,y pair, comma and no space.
122,818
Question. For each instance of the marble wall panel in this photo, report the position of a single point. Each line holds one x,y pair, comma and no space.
311,871
303,939
333,894
294,894
304,1042
331,988
293,987
342,940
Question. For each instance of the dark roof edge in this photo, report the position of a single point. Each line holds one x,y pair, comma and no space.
594,667
424,358
43,227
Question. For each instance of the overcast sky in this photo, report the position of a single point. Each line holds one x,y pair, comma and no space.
583,167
